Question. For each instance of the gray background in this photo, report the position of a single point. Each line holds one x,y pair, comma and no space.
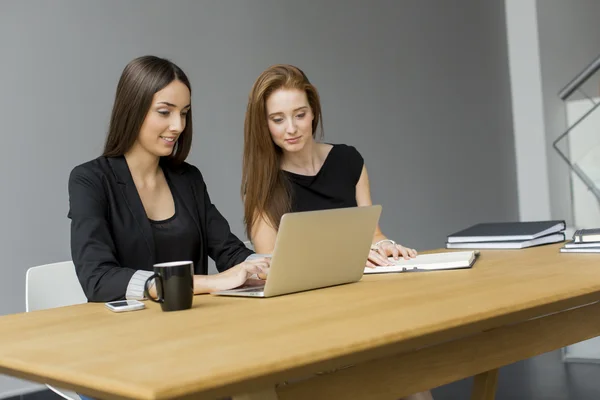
421,88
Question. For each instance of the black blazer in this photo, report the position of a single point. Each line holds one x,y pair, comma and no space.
111,236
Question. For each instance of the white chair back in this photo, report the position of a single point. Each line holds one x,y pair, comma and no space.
52,285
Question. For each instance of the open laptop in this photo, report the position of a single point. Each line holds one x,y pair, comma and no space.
316,249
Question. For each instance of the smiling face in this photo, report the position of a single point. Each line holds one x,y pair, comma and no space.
165,120
290,118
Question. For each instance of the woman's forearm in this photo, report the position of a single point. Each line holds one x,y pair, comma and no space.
378,237
204,284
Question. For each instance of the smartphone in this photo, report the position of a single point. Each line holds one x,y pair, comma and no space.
124,305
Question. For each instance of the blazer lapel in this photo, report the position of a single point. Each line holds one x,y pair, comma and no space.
133,200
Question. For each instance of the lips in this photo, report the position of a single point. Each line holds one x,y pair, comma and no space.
169,140
293,140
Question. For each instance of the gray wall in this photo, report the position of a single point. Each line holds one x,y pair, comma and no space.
569,39
419,87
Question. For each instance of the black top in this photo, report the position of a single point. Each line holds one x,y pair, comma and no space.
334,186
176,238
111,237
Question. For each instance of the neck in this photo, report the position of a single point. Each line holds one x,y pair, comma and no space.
143,165
306,161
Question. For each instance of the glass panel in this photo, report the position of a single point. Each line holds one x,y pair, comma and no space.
579,146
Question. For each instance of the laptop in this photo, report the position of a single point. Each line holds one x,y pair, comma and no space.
317,249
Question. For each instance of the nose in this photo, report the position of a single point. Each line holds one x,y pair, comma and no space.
291,127
177,123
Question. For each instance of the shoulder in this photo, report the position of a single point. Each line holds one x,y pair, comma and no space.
91,171
348,158
185,170
88,184
344,149
347,154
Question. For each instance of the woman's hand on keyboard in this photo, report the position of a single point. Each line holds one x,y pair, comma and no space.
242,273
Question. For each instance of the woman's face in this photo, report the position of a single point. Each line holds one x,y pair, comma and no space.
289,117
165,120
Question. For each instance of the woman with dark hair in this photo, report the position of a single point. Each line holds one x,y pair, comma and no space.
140,203
286,169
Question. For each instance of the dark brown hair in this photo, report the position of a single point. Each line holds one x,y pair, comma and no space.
140,80
265,188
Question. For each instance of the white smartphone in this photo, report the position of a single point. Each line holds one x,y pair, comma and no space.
124,305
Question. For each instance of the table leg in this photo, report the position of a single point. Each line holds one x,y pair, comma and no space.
484,385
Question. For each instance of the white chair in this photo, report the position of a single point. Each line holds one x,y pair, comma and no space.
51,286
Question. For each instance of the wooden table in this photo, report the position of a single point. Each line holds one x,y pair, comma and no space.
399,333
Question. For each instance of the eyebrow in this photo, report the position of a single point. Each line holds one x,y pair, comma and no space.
280,112
172,105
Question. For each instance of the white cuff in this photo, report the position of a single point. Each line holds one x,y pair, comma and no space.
135,288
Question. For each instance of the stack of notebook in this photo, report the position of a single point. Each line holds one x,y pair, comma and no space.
507,235
584,241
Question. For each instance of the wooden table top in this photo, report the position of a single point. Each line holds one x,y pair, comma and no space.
234,343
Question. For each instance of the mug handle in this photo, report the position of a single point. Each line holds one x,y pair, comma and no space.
160,296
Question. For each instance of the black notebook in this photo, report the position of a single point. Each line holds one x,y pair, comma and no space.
509,244
586,235
507,231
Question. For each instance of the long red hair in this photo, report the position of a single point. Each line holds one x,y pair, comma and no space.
265,188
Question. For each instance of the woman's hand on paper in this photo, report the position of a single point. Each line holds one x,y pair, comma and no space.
396,251
379,255
376,259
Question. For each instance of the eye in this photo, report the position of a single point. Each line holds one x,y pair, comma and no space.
301,115
277,120
164,113
184,114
